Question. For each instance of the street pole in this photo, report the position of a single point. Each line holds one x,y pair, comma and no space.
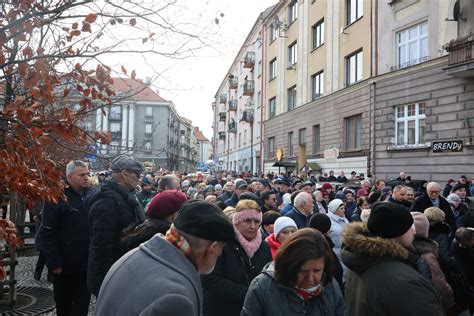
251,146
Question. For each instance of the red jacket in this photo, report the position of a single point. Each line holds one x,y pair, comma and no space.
274,244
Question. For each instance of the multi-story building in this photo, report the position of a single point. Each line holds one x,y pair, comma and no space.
142,124
423,118
318,60
370,86
188,145
238,107
204,147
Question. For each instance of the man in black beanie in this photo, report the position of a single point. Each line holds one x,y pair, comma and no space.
161,277
380,281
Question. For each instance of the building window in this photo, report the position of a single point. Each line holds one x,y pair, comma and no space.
240,139
245,137
273,33
354,9
148,111
272,107
410,124
354,67
290,144
412,45
148,146
88,126
115,127
116,112
316,139
353,131
259,68
292,12
318,34
259,99
317,85
272,68
148,128
114,147
291,98
271,147
292,52
302,137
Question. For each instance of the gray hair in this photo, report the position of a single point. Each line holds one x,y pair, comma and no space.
167,181
399,188
301,198
73,164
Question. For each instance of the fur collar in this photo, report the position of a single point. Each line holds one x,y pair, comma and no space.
358,240
425,245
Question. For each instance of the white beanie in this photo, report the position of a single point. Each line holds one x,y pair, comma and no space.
218,187
282,223
334,205
185,183
453,198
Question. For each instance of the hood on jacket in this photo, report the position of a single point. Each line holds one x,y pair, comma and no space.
425,245
439,228
364,250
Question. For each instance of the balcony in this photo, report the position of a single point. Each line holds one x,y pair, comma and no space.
221,135
247,116
233,127
223,98
249,87
233,105
249,60
461,57
222,116
233,82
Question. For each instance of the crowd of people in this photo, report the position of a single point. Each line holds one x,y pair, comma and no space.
226,244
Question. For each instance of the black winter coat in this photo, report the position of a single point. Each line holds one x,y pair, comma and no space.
225,288
64,233
439,232
111,210
423,202
232,201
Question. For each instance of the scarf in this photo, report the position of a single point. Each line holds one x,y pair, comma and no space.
306,294
250,247
174,238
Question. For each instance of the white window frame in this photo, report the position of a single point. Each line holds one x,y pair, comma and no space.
292,12
114,147
149,111
355,10
272,104
148,128
272,69
420,41
147,146
115,111
290,143
273,33
354,67
88,126
318,34
115,127
406,118
292,54
317,85
291,98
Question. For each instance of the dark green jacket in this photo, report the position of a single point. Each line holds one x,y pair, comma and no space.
267,297
380,281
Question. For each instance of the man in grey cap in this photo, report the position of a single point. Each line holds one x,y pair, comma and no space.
112,207
161,277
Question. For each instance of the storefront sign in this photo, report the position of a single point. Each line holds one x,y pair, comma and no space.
331,154
454,145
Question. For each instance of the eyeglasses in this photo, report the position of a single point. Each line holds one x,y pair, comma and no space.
249,221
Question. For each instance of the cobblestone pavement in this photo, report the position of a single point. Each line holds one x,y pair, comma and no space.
24,275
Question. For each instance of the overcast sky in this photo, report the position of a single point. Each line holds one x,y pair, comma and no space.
192,83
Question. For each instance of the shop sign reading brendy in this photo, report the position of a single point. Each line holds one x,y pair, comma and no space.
453,145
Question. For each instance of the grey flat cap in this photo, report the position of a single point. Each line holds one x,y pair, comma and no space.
126,163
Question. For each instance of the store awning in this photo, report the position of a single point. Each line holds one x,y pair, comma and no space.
285,164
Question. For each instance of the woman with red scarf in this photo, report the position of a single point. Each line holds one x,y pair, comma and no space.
283,228
298,282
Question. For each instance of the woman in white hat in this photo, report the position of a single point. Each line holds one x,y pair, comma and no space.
284,227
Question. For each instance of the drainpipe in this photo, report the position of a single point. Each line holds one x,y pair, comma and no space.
262,105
